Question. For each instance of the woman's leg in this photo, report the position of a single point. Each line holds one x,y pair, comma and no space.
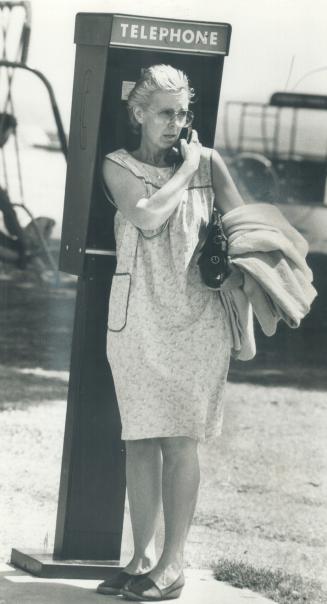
143,476
180,484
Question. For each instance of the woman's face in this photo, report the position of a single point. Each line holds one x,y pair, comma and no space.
159,125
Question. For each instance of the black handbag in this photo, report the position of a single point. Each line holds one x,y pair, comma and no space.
214,260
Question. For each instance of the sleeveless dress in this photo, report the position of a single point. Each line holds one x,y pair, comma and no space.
170,352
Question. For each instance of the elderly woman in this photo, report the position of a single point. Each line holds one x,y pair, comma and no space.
169,335
168,339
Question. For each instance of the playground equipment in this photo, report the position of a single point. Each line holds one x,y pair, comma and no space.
15,30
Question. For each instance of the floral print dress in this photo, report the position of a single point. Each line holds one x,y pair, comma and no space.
169,340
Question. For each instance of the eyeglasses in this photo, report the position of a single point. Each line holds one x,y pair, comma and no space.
166,116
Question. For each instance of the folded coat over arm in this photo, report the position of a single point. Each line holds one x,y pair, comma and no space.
277,282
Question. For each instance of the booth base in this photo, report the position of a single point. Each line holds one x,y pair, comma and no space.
45,566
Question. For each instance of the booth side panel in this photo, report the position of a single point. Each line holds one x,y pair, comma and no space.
85,120
92,489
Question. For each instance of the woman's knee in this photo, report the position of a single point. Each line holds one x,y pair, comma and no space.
142,448
179,447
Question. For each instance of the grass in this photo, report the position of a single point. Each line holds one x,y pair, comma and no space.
281,587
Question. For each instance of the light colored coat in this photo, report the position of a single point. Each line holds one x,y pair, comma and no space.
277,282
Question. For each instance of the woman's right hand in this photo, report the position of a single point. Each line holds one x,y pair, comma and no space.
191,152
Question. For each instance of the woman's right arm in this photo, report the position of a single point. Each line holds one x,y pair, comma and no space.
129,192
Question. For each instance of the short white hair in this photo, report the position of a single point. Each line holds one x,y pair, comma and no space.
154,78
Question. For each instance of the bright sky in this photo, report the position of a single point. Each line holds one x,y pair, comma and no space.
267,36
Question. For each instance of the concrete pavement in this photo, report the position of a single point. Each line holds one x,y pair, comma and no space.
17,587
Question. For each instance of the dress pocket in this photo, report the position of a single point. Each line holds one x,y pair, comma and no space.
118,301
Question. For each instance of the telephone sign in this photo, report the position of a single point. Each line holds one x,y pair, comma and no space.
188,36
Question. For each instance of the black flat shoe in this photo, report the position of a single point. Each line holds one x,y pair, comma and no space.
147,590
114,585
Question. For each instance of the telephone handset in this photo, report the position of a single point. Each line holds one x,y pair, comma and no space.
174,155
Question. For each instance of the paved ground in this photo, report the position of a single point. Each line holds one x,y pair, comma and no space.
16,587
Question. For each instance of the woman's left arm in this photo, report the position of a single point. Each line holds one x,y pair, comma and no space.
227,196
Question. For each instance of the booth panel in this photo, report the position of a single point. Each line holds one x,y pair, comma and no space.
93,29
87,526
83,139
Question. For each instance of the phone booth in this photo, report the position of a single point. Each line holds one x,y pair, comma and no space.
111,50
